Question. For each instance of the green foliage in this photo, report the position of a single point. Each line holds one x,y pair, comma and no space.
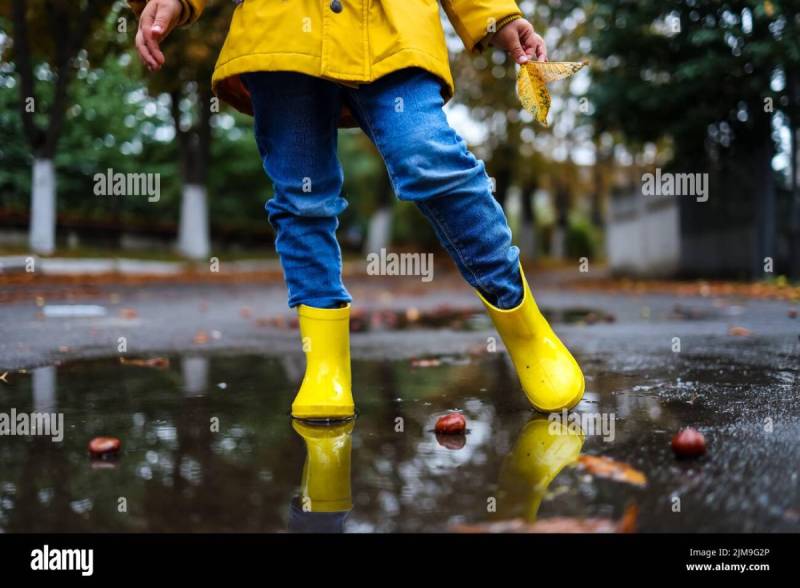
582,239
695,71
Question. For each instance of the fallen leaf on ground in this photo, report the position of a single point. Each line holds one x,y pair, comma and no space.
100,446
154,362
739,332
605,467
200,338
425,363
278,322
128,313
627,524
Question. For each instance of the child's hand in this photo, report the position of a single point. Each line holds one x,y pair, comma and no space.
157,20
520,41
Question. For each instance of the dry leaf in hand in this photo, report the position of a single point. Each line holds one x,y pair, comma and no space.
532,78
605,467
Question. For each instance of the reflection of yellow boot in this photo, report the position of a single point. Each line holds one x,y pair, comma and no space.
325,392
326,473
550,376
542,450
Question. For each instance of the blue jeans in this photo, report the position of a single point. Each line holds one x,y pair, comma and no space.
428,163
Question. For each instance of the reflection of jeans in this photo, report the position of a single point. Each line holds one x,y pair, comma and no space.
301,521
428,163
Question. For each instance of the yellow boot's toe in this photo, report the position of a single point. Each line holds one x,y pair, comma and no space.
550,376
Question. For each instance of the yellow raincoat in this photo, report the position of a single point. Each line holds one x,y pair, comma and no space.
349,41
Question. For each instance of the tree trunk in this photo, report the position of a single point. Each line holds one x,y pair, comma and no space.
379,231
558,239
379,228
44,389
527,226
194,369
600,192
194,148
193,235
793,87
42,235
794,236
68,36
766,225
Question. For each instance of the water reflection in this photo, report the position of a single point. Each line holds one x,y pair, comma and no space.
208,458
541,451
44,389
195,375
325,497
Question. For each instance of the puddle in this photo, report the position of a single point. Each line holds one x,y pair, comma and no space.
207,445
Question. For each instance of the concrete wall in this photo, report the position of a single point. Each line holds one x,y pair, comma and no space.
643,235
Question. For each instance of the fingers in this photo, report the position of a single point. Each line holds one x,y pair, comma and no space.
144,53
540,49
153,26
533,43
516,51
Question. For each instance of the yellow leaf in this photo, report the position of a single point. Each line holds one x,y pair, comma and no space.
605,467
532,78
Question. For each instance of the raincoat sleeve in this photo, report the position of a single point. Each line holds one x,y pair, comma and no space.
191,9
476,20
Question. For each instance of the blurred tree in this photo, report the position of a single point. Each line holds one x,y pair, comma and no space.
47,37
519,154
789,13
710,77
190,55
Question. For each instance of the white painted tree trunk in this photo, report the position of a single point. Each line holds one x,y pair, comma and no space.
42,235
193,239
379,231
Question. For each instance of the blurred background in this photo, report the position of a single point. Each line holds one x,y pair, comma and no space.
687,86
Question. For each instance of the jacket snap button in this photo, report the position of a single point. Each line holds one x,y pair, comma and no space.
336,6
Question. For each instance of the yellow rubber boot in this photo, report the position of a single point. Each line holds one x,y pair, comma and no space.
326,473
542,450
550,376
325,393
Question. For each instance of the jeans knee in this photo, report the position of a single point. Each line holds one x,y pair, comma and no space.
430,167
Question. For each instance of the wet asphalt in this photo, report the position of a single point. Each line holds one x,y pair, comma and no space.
653,363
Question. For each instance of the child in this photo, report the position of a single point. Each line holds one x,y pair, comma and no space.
303,67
